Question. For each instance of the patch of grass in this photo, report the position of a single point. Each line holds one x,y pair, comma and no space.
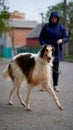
70,57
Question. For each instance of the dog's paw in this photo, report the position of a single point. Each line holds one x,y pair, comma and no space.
60,107
10,103
28,109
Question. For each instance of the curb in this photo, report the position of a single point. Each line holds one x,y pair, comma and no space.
68,60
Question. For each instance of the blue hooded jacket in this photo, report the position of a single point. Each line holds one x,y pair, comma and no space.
51,33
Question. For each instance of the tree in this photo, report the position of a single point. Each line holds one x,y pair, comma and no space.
4,16
69,15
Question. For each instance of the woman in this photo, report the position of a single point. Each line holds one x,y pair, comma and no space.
55,34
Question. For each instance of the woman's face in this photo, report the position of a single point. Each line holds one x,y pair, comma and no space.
54,19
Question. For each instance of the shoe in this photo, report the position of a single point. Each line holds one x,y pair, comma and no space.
56,88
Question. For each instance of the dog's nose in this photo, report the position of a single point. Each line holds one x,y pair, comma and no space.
49,58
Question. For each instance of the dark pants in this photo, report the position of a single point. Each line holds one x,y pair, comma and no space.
55,73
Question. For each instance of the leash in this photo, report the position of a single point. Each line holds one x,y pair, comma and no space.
59,70
59,60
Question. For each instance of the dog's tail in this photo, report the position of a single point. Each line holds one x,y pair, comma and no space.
7,73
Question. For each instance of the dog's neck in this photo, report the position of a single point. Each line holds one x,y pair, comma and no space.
42,61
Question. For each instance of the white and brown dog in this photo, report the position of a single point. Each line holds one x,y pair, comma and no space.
35,69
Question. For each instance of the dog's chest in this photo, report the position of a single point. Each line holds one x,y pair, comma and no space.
40,69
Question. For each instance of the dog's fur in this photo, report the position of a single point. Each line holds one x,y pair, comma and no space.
35,69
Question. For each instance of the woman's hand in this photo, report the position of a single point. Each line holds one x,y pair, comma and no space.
59,41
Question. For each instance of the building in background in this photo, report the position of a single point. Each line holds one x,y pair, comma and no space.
16,37
17,15
19,29
32,39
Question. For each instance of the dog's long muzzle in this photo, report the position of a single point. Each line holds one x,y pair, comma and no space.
48,58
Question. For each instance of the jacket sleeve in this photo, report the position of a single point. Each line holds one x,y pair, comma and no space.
64,34
42,35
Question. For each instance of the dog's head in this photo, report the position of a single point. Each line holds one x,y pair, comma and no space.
47,53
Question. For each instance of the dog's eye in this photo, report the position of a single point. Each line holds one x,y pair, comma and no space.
46,49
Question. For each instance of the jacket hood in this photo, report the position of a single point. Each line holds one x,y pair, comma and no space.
54,14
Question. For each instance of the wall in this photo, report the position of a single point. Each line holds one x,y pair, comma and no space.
18,36
32,42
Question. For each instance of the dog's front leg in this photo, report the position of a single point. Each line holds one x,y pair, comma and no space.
51,91
28,108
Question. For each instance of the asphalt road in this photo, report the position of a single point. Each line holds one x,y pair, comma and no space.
44,115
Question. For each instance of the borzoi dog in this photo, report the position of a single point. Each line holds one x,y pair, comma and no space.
35,69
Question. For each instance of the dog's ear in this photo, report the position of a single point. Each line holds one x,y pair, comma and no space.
53,49
43,50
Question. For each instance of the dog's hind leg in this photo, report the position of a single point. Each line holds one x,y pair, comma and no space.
51,91
17,86
28,108
10,96
19,94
